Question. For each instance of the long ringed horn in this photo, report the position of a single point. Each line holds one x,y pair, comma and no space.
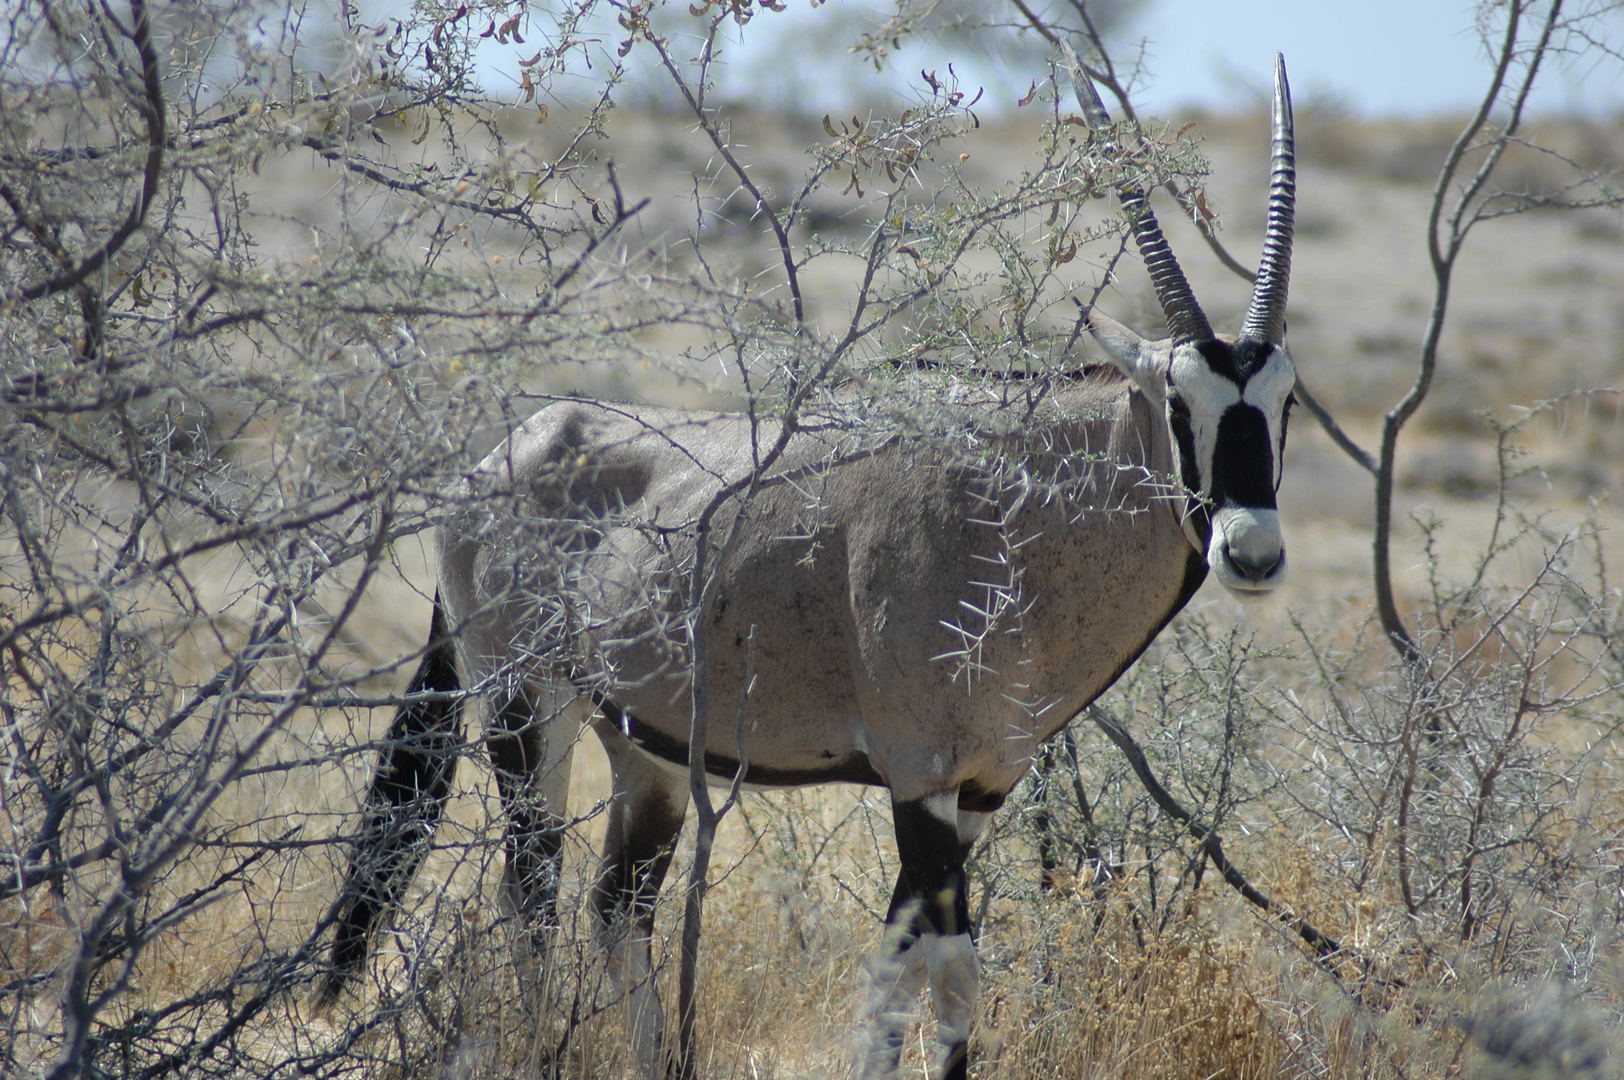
1185,319
1266,318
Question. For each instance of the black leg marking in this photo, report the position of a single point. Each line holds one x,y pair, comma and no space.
403,807
637,849
932,871
535,835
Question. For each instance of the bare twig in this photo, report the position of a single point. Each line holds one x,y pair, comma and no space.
702,116
152,109
1445,238
1325,948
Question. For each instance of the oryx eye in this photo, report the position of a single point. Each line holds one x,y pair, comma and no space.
1285,422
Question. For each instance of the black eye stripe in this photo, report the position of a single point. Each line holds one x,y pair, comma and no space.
1285,422
1178,419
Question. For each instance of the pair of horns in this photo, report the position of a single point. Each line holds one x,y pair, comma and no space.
1266,317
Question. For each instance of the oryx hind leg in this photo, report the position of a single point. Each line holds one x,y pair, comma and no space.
645,817
531,737
927,939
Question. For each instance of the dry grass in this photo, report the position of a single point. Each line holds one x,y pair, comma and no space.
1150,977
1156,975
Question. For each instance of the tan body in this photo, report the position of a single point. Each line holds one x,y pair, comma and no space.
852,576
924,613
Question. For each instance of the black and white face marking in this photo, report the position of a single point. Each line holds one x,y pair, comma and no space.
1226,419
1226,411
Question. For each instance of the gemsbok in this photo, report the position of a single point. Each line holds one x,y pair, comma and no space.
911,618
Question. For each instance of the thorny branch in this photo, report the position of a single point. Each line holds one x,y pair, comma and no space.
707,124
199,524
153,112
1325,948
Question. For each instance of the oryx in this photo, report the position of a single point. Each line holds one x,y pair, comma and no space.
1111,501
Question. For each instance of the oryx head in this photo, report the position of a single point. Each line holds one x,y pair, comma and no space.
1225,401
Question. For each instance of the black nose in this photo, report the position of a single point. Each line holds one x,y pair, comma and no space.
1255,568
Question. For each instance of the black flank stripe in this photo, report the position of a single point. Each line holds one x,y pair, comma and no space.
854,768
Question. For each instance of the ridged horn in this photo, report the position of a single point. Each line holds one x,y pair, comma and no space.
1185,319
1088,98
1266,318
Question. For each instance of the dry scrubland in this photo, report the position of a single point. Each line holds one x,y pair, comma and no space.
1467,849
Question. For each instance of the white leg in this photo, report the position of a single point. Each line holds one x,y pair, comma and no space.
955,988
970,824
532,739
895,979
929,916
631,966
645,818
954,971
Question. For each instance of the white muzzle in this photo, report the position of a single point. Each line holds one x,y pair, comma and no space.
1247,554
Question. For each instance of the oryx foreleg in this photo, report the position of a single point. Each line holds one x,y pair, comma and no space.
645,817
927,938
531,738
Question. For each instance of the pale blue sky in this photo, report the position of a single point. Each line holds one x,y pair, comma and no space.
1382,57
1378,57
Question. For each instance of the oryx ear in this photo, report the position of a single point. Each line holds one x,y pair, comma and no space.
1133,355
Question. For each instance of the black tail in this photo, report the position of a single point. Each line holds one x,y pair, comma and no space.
409,791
